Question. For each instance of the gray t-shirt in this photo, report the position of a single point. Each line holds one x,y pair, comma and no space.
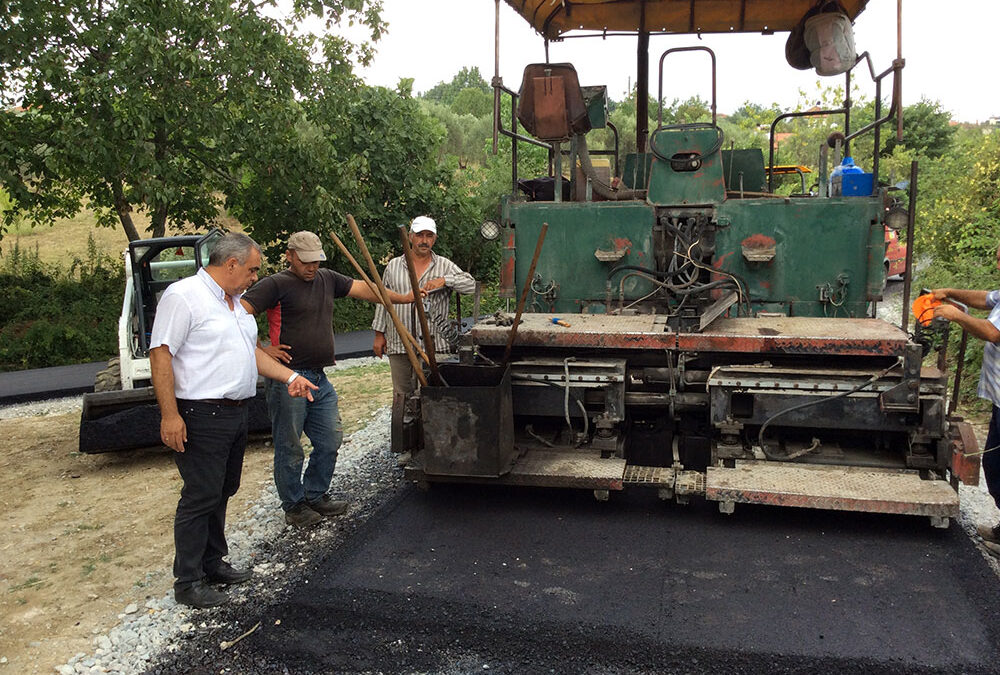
300,313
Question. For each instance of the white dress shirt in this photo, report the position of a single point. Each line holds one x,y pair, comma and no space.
212,346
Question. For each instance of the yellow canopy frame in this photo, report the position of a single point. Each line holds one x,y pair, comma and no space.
553,18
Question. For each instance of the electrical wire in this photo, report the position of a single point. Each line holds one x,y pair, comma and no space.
870,381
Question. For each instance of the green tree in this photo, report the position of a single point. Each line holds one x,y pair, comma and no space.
926,129
464,135
473,102
150,105
466,78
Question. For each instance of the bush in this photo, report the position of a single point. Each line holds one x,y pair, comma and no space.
55,316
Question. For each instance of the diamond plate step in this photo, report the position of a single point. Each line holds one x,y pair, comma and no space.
831,487
548,468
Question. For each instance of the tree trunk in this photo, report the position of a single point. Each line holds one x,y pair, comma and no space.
124,210
158,224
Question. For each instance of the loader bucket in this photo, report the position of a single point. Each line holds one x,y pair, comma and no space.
126,420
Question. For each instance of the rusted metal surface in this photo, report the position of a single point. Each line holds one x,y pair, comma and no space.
798,335
831,487
587,330
781,335
965,461
582,469
469,425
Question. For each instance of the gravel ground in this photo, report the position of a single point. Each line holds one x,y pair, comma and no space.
366,475
278,554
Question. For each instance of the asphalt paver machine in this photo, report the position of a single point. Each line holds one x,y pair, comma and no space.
685,327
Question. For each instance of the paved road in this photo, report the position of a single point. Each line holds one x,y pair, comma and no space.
45,383
464,579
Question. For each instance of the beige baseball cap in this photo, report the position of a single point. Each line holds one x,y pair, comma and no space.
308,247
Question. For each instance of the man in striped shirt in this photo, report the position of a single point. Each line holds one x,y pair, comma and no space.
438,276
987,329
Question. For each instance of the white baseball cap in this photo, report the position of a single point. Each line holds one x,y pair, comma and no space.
423,224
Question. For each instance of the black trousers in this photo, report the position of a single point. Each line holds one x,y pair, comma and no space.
210,467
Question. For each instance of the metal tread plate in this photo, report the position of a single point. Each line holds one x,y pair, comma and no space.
649,476
549,468
836,488
577,469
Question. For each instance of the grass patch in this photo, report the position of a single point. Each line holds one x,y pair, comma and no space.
31,582
361,391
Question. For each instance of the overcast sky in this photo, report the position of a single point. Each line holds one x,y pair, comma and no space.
950,52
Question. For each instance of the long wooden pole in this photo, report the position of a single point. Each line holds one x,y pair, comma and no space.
524,292
421,314
375,292
400,328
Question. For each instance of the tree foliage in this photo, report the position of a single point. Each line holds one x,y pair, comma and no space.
926,129
150,105
466,78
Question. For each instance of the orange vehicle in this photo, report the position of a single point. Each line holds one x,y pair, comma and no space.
895,255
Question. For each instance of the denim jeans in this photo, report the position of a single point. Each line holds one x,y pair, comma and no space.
320,420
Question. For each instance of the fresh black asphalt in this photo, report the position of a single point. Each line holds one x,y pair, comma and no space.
467,579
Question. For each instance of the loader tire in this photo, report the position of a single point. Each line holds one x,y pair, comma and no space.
109,379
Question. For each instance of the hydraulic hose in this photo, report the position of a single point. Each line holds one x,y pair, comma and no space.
600,187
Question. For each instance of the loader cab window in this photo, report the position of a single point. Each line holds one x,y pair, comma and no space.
157,263
172,264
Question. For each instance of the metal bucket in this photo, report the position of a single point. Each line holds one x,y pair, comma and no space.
469,425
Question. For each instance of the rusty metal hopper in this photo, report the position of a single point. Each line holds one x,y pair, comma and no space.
469,425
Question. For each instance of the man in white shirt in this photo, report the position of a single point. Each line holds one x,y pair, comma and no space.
204,361
436,275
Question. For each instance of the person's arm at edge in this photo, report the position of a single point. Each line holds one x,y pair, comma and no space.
970,298
278,352
269,367
361,291
173,431
454,278
984,329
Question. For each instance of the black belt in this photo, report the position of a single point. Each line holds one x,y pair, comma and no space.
229,402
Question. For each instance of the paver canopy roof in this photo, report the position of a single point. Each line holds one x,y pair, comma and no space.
552,18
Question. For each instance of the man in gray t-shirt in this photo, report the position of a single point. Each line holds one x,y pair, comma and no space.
299,306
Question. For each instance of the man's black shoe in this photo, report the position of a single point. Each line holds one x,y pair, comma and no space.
227,574
325,506
199,595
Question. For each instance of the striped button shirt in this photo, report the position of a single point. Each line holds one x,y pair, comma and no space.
397,278
989,376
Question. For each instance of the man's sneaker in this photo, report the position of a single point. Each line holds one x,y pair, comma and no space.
199,595
991,534
325,506
992,549
301,515
403,458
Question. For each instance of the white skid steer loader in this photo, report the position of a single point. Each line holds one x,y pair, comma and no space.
121,413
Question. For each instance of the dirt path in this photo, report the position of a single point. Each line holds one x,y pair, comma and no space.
86,535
